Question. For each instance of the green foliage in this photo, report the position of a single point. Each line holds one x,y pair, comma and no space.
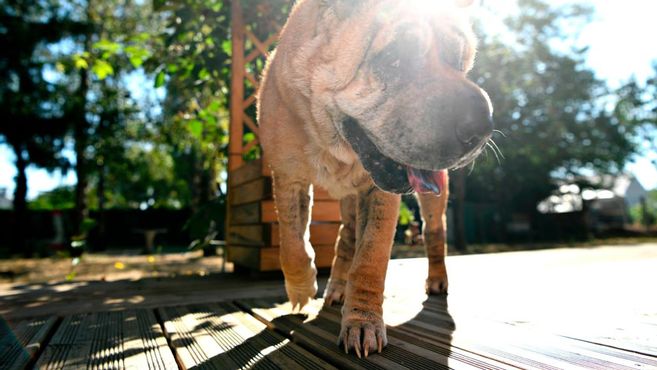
549,109
406,216
57,199
169,149
645,214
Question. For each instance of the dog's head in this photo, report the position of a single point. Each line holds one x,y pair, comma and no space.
403,101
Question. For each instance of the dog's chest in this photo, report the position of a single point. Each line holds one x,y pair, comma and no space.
340,178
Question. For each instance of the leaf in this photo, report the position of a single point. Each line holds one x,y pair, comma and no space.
109,47
80,62
249,137
227,47
102,69
195,128
203,74
216,7
159,79
137,55
158,4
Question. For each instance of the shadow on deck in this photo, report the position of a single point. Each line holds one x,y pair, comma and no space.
559,309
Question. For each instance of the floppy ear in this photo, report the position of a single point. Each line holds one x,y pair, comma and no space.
463,3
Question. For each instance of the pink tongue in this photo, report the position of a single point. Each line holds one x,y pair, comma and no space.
424,181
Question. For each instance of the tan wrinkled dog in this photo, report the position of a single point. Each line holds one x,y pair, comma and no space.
368,99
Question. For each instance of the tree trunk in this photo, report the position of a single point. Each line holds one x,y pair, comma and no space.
458,181
100,191
19,236
81,141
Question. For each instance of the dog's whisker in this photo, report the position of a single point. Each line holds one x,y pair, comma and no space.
488,144
474,161
500,132
498,148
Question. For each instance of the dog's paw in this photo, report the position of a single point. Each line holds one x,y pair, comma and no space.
436,285
301,291
363,332
334,292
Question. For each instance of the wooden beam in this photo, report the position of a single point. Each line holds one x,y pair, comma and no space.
250,100
250,145
236,130
259,45
252,126
253,81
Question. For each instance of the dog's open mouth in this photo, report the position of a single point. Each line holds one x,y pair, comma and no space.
389,175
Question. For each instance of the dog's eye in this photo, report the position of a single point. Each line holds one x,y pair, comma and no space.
401,60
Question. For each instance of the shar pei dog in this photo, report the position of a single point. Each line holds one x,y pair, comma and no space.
368,99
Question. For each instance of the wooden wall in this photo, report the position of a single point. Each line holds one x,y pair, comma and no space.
252,229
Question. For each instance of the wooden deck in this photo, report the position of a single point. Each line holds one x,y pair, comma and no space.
557,309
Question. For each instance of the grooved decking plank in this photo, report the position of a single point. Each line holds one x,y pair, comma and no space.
640,337
130,339
318,331
221,336
19,345
432,339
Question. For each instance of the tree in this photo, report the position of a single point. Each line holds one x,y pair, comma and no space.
549,108
34,117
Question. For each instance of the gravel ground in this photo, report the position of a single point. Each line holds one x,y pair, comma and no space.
107,267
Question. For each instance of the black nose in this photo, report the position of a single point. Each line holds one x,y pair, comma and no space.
477,124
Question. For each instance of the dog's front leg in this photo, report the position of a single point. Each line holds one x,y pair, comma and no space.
294,204
362,313
344,252
434,231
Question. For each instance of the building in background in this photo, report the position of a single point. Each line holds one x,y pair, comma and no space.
5,202
606,201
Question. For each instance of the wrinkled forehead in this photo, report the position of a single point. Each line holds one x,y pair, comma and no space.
430,20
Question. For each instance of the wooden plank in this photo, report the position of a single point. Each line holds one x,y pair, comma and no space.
129,339
631,336
266,259
252,191
255,170
321,194
323,211
320,233
248,172
269,260
260,188
245,214
20,344
244,256
318,332
268,234
221,336
265,212
432,339
249,235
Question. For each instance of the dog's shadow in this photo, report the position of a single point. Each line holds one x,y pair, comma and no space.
424,341
421,342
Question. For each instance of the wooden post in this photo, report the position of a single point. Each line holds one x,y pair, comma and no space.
236,125
236,131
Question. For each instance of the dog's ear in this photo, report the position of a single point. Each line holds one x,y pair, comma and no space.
343,8
463,3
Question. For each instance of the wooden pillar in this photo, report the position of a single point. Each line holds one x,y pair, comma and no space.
236,131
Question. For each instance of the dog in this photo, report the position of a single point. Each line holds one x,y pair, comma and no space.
368,99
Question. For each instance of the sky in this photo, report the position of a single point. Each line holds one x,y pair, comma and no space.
620,37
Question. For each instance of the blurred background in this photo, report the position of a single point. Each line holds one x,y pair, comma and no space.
115,118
